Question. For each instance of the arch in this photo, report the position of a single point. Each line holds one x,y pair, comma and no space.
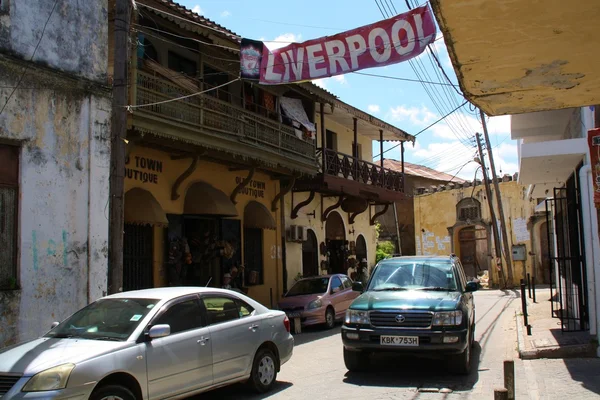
310,255
142,208
477,256
256,215
468,210
361,248
204,199
335,228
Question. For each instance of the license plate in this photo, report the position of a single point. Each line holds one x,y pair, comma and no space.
399,340
296,314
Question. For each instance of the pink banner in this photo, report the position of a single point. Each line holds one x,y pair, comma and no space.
390,41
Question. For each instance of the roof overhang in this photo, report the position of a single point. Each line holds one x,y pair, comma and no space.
549,164
541,125
514,57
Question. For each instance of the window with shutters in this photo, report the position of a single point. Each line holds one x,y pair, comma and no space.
468,210
9,196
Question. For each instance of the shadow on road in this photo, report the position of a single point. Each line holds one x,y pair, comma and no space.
241,391
585,371
312,333
392,371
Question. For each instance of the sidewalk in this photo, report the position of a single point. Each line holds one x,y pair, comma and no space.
547,340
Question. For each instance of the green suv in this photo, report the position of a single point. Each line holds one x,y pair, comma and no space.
420,305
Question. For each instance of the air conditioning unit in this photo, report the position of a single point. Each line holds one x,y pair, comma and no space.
302,233
292,233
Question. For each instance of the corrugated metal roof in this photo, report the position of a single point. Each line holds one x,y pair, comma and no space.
420,171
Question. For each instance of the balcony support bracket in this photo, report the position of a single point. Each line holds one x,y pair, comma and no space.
331,208
285,190
184,176
380,213
242,185
354,215
302,204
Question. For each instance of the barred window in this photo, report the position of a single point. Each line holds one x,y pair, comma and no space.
9,195
468,210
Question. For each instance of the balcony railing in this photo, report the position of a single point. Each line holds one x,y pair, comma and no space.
205,112
348,167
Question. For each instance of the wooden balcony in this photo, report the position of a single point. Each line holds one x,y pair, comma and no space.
343,174
206,117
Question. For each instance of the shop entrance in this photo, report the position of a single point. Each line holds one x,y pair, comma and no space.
310,255
337,248
137,257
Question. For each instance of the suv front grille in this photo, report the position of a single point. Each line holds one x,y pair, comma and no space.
7,382
412,319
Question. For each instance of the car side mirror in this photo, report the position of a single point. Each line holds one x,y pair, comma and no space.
54,324
471,287
159,331
358,287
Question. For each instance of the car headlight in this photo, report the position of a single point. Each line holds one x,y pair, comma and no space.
51,379
315,304
357,317
448,318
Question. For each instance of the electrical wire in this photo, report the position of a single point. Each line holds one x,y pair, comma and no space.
422,130
402,79
132,106
31,58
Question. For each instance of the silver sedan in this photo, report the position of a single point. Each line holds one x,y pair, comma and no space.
151,344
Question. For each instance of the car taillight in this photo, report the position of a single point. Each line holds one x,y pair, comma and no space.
286,323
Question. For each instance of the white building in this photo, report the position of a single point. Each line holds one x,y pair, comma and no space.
554,159
55,108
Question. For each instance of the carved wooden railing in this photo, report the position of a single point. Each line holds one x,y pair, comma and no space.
210,113
346,166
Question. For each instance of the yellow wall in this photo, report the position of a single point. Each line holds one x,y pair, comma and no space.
294,250
345,137
436,212
220,177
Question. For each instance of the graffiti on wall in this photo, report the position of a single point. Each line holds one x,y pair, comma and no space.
428,244
50,248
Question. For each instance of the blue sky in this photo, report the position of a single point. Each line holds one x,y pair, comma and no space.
407,105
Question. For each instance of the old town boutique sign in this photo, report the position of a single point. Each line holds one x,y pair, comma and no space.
390,41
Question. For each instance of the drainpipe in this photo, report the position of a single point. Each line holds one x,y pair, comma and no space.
592,246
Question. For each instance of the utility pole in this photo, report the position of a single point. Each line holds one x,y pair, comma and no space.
488,194
507,253
118,150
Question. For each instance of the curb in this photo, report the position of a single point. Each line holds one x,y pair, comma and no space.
570,351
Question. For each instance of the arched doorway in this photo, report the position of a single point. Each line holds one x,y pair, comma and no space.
310,255
335,235
473,249
361,248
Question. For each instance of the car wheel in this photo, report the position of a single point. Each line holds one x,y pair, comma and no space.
112,392
355,361
473,336
264,371
461,363
329,318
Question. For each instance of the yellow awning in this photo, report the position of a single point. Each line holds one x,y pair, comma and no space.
142,208
258,216
203,199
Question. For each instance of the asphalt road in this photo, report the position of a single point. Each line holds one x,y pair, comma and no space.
317,371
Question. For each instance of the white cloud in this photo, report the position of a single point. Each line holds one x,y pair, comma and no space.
283,40
225,14
197,9
373,108
417,116
340,79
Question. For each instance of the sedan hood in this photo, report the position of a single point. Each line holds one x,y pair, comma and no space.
37,355
409,299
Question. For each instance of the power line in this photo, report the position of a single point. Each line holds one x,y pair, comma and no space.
423,130
31,58
402,79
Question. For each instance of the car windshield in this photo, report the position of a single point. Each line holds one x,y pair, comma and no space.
309,286
413,275
107,319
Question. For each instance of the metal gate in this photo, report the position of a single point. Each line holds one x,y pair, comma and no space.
137,257
567,255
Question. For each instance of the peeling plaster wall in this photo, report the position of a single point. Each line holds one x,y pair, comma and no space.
61,122
75,40
435,213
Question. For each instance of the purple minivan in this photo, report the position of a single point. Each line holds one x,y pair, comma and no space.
319,300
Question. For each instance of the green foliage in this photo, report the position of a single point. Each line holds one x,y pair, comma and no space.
385,250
